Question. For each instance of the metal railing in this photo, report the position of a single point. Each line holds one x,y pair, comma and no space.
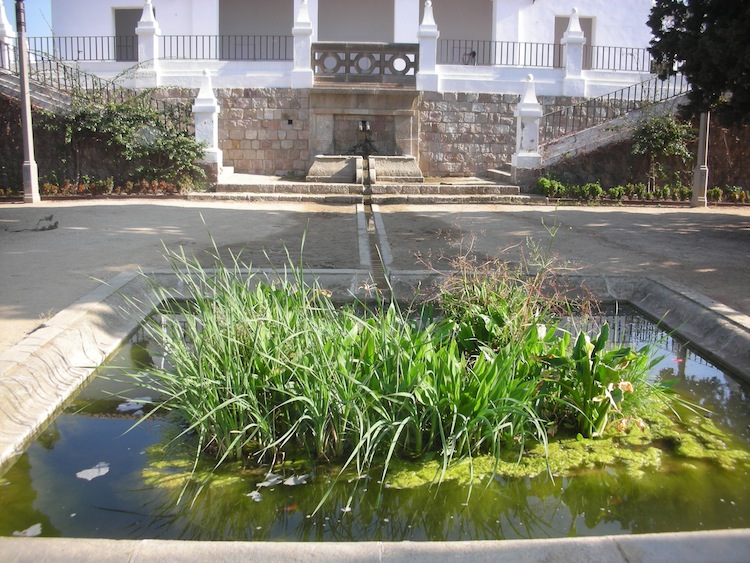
228,47
395,63
54,75
595,111
617,58
87,48
500,53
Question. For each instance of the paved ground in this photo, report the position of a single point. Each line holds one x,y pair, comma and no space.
42,272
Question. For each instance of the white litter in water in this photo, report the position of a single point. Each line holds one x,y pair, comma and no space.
33,531
296,480
101,468
271,480
133,404
255,495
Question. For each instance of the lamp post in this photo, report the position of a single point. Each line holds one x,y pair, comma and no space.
700,174
30,172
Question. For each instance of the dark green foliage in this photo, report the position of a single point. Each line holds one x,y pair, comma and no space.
140,141
709,42
662,137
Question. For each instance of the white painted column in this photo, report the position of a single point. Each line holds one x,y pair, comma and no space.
528,113
312,13
405,21
148,32
428,78
573,41
206,114
7,40
302,74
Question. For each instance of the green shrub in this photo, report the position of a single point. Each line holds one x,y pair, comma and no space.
714,194
618,193
551,188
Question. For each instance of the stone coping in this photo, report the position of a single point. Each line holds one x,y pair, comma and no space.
727,546
43,371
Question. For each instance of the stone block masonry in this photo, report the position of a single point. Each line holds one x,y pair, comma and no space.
265,131
465,134
277,131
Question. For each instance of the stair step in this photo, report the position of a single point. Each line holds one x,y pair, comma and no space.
292,188
447,189
436,199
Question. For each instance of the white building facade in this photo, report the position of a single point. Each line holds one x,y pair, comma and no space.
251,43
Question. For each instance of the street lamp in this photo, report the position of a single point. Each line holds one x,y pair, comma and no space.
30,172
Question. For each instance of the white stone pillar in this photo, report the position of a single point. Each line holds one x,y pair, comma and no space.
573,41
148,33
428,78
7,40
206,115
302,74
528,113
405,21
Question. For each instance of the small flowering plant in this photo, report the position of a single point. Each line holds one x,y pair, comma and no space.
592,383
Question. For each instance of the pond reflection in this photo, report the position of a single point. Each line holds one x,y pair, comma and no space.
129,502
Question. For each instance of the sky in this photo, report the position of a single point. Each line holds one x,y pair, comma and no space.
38,17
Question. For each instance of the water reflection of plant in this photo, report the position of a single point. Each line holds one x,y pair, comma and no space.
263,370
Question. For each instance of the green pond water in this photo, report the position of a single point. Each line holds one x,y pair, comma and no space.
91,474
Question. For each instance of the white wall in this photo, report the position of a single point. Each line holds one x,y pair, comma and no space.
175,17
468,19
620,23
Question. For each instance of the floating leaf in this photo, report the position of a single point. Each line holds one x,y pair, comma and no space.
100,469
255,495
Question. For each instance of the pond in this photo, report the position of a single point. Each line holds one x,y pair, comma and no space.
93,474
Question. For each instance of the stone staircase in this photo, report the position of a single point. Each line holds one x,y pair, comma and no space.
42,97
249,187
604,134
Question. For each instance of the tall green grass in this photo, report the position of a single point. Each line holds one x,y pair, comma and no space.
262,369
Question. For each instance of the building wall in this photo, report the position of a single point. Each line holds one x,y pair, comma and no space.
255,17
468,19
347,20
175,17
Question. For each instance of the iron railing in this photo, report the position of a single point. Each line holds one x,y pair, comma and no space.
595,111
395,63
87,48
501,53
228,47
617,58
53,74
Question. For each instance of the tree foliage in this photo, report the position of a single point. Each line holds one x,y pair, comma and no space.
709,42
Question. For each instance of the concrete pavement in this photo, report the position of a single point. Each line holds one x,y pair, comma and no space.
43,271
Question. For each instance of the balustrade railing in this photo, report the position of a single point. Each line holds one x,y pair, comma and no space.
618,58
395,63
87,48
228,47
55,75
501,53
595,111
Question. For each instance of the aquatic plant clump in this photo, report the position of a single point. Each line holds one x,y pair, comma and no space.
264,370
